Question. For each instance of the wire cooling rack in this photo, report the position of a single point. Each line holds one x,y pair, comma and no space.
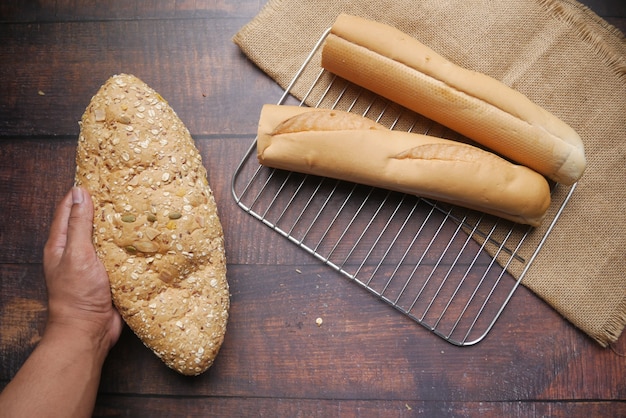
445,267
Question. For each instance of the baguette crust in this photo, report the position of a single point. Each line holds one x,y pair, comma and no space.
156,227
422,165
402,69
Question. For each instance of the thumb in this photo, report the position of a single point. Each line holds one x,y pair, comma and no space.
80,222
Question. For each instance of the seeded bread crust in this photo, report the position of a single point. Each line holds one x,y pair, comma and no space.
156,226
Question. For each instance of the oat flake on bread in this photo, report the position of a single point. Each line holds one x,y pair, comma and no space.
156,226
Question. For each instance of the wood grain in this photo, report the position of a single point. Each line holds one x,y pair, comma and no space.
50,103
363,360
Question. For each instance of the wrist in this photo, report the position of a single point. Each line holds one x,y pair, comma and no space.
60,377
77,339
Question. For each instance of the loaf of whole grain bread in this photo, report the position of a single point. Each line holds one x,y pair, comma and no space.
156,226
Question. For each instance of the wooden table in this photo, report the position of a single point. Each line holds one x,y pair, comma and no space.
364,360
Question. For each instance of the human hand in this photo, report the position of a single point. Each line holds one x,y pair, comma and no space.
82,323
79,296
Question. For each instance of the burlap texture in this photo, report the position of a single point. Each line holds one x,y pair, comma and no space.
563,57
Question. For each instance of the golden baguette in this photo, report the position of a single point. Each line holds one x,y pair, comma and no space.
396,66
349,147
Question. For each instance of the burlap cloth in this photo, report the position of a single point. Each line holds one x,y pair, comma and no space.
563,57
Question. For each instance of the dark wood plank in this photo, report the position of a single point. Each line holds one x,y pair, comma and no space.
82,10
46,92
23,312
347,408
363,349
607,8
613,11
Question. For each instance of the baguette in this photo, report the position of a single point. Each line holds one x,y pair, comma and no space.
349,147
156,226
402,69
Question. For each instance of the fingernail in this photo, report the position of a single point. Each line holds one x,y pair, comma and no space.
77,195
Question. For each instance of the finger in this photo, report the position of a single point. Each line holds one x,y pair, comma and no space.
57,237
80,221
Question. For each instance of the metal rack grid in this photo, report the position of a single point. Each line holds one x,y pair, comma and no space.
444,267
